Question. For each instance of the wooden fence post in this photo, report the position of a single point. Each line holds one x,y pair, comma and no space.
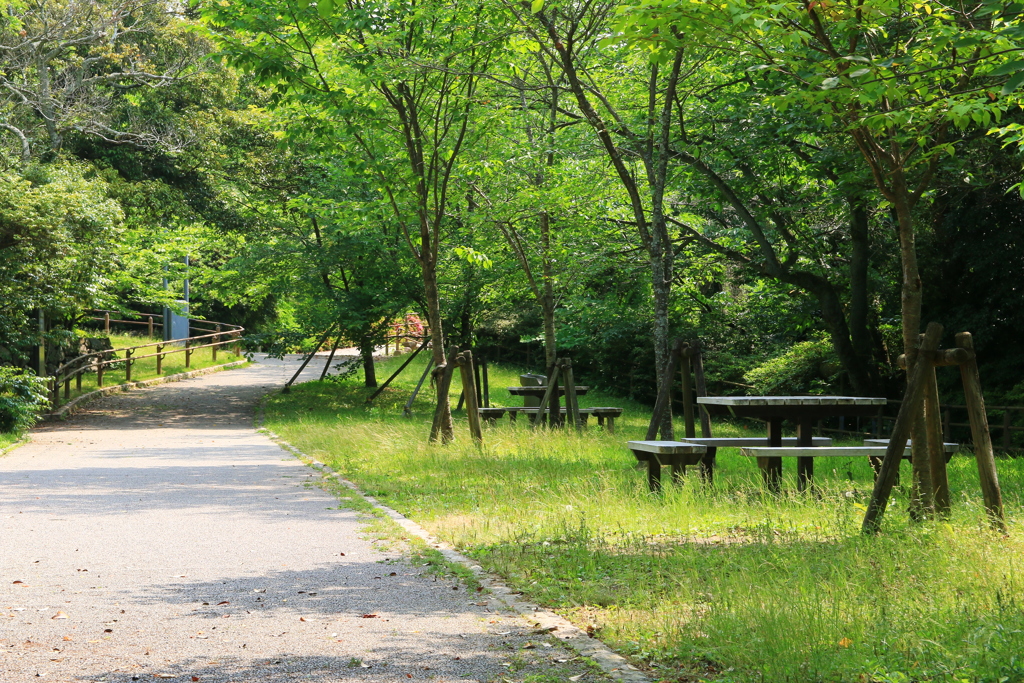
909,412
983,452
149,322
159,359
188,354
100,365
106,323
128,365
213,349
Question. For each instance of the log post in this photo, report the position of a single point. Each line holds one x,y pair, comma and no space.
552,388
572,406
707,463
159,359
983,452
922,492
100,365
106,323
465,362
188,354
149,325
128,365
910,409
78,379
487,389
67,388
685,369
477,385
936,451
213,349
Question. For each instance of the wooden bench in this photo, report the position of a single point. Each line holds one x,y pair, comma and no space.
606,413
492,415
532,413
677,454
875,453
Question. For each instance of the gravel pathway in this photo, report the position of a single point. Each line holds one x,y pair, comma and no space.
157,535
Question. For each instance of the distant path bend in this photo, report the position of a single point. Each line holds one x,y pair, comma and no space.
157,535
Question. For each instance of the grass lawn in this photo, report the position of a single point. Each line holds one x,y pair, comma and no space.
145,368
727,584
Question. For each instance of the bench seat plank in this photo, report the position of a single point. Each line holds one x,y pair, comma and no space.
812,451
667,447
947,447
744,441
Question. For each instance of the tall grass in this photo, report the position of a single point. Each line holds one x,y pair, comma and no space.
727,583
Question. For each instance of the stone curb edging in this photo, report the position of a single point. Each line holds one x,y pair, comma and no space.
613,664
71,407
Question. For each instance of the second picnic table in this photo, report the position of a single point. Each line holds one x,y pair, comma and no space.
803,410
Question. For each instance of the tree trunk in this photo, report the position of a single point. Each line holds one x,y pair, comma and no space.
445,431
369,371
858,319
547,302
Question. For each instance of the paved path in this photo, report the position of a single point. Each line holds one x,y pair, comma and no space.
158,535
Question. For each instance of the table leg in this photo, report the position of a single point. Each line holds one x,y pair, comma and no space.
611,424
771,468
804,465
678,470
654,473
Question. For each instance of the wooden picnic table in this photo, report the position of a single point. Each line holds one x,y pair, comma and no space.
803,410
538,392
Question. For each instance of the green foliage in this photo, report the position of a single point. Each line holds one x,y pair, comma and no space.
22,397
804,368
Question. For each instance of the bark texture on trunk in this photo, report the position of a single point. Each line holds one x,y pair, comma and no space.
445,430
369,370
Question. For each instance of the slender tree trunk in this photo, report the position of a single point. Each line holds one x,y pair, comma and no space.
547,302
369,370
445,431
859,333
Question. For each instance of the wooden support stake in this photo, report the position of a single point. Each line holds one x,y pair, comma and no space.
572,406
687,381
707,463
664,402
149,325
188,356
983,452
106,323
407,410
477,384
213,349
288,385
909,411
487,389
545,401
100,366
465,362
67,388
397,372
78,379
128,365
159,359
327,365
936,452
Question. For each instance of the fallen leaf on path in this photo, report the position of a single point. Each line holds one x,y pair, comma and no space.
224,602
164,676
21,582
576,678
370,616
302,618
59,615
68,638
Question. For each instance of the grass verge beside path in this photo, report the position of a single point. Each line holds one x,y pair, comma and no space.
146,368
726,584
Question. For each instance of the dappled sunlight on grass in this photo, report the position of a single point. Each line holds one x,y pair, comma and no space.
725,583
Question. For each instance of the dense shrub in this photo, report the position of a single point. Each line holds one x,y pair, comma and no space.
805,367
22,396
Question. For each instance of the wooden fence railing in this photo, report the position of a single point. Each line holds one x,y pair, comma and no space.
217,335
